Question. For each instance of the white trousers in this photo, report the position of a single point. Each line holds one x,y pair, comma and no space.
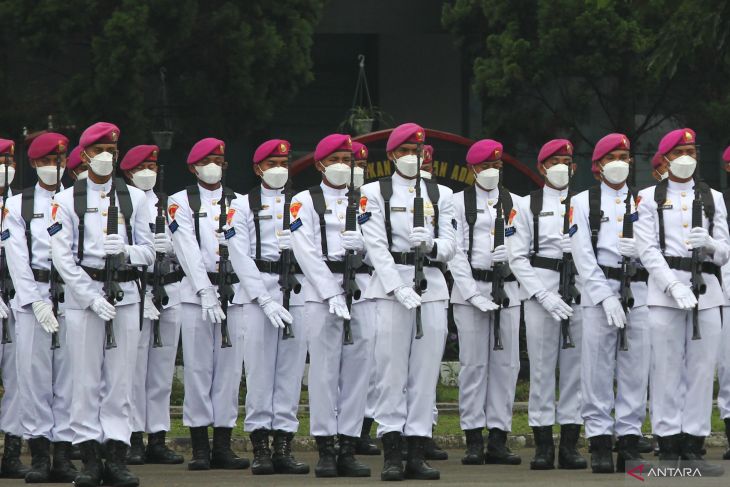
488,378
10,405
44,380
212,374
674,357
153,373
723,366
102,379
274,370
407,368
544,346
601,362
368,310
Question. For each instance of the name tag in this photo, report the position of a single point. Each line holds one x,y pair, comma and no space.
667,207
37,215
363,217
230,233
327,212
401,209
295,225
480,210
265,217
92,210
546,213
509,231
635,216
54,229
202,214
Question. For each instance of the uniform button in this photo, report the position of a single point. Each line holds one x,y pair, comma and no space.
278,217
620,218
411,190
562,198
103,195
490,202
685,225
492,231
618,201
214,202
686,242
684,193
103,213
278,200
562,213
105,230
217,217
684,207
341,216
339,202
620,234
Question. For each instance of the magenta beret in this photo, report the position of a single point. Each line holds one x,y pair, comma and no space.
674,138
555,147
74,158
271,148
359,151
139,154
427,154
657,160
609,143
407,132
7,146
204,148
726,155
48,143
486,150
99,133
331,144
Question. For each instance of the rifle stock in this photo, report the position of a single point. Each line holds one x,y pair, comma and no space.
352,259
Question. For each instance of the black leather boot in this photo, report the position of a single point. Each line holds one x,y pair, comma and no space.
90,475
283,460
544,458
726,456
158,453
691,456
601,456
262,464
115,467
136,449
366,445
40,467
568,456
628,451
497,450
11,467
432,451
416,466
327,464
474,454
223,457
75,453
668,448
62,470
644,445
347,464
201,448
392,459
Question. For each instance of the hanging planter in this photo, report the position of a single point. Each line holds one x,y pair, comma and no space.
362,115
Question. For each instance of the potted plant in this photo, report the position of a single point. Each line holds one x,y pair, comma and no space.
360,119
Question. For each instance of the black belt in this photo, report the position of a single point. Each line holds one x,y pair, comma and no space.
685,264
213,276
125,275
273,266
169,278
546,263
409,258
338,267
40,275
487,275
614,273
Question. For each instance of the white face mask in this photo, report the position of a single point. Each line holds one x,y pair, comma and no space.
47,174
683,167
338,174
558,175
82,175
615,172
359,178
407,165
210,173
488,178
11,175
102,164
144,179
276,177
426,175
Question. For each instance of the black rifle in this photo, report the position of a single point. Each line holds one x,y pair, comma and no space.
698,281
352,259
159,295
628,269
500,270
55,288
567,290
7,291
225,269
112,290
288,282
419,278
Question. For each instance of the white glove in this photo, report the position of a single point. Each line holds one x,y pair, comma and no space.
101,307
407,297
565,244
421,235
211,307
682,294
627,248
614,312
163,244
482,303
150,310
276,313
554,305
338,307
222,237
499,254
4,311
114,245
44,314
284,238
352,240
699,238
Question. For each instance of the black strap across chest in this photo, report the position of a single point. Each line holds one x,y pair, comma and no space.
536,209
320,206
194,201
386,191
660,197
595,213
470,211
27,208
254,203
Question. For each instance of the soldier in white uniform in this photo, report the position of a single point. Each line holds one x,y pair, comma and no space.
155,365
536,251
682,368
337,385
604,256
212,372
260,245
80,245
44,372
488,376
407,367
723,360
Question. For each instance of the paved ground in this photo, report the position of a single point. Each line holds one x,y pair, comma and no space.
452,473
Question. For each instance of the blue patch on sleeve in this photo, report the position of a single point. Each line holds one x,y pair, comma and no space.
454,224
295,225
635,216
572,230
174,226
363,217
5,235
230,232
152,227
52,230
509,231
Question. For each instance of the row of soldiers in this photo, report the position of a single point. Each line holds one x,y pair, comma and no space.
353,274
